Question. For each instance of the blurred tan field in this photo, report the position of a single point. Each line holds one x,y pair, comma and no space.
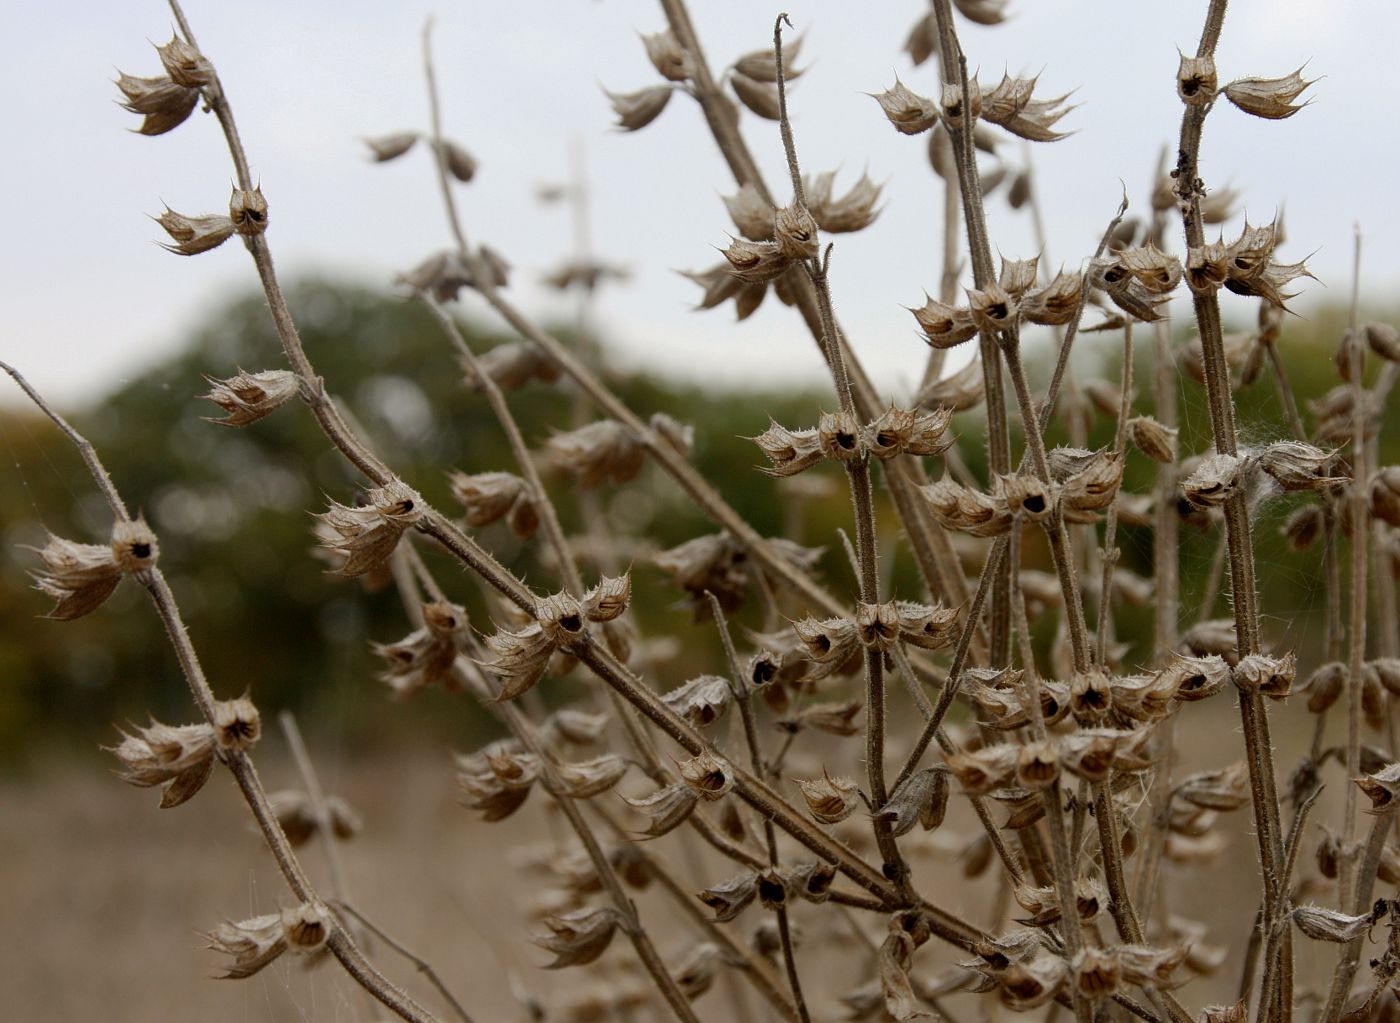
106,894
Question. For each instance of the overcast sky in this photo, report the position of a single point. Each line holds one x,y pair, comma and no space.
89,298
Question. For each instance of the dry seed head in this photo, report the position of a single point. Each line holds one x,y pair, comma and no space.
1156,271
981,771
491,496
1271,98
1196,80
248,397
185,65
790,451
1095,487
960,392
837,718
831,643
707,775
194,235
307,927
164,104
579,938
762,65
667,807
561,619
1057,303
609,598
1028,495
756,262
636,110
1018,275
134,547
1038,765
253,943
921,799
701,701
668,56
729,898
512,366
830,800
1387,670
852,212
1091,696
1384,495
521,659
362,538
1325,685
603,451
237,724
1154,440
751,213
877,625
178,757
909,112
1323,924
993,308
78,576
1207,267
945,326
1294,465
968,511
1268,676
927,626
1214,481
383,148
247,210
1381,787
951,104
696,973
906,431
1236,1013
759,97
795,231
587,778
838,436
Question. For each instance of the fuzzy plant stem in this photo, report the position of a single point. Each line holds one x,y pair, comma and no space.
1259,750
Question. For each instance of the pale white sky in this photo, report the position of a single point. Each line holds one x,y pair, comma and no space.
89,298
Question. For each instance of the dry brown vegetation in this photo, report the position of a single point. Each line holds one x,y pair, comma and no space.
956,798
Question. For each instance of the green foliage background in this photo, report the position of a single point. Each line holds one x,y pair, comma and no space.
232,508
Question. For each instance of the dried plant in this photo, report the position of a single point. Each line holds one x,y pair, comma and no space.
1071,762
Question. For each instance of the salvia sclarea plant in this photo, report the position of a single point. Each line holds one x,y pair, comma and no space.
783,763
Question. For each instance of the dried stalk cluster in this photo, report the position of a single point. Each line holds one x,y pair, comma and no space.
775,761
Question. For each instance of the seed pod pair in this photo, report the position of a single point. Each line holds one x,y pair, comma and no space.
258,941
580,937
830,800
300,823
603,451
497,779
1010,104
833,645
965,510
851,212
428,654
80,576
180,758
361,538
491,496
908,432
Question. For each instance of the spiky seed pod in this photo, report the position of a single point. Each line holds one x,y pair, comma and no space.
838,718
1271,98
237,724
1325,685
1091,696
253,943
574,726
1294,465
945,326
561,619
751,213
1216,636
636,110
759,97
1214,481
1028,495
993,308
1323,924
185,65
981,771
951,108
730,898
193,235
1154,440
811,881
795,231
830,643
307,927
1057,303
1094,487
78,576
1097,973
163,103
701,701
383,148
1010,104
756,262
1031,983
1381,787
490,788
248,397
1018,275
1144,697
852,212
1207,267
491,496
428,654
830,800
1223,789
667,807
580,937
711,564
1038,764
910,113
877,625
363,537
587,778
179,758
790,451
247,211
1196,80
609,599
1268,676
708,775
967,511
927,626
921,799
520,658
134,546
605,451
838,436
671,59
